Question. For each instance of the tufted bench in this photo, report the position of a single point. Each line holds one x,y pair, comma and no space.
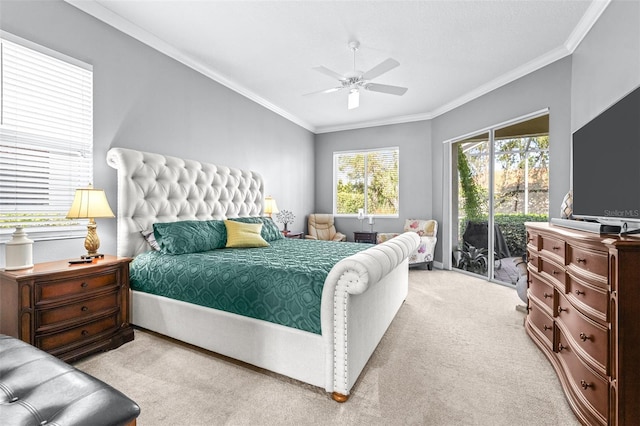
39,389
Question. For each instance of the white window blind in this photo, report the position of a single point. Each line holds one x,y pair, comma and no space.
46,139
366,180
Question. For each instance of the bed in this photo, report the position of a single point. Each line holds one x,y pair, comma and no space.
359,297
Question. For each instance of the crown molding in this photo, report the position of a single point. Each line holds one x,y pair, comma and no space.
590,17
118,22
105,15
375,123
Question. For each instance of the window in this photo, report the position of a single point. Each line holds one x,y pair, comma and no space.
46,138
366,180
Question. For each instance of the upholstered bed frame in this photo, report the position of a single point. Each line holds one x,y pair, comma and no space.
361,295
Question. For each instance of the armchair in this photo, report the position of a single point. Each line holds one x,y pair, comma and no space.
427,230
321,227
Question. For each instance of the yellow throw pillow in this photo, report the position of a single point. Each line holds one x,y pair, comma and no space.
241,234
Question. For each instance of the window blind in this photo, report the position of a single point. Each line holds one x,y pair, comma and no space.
366,180
46,138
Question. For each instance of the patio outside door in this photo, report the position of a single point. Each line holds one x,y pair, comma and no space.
500,180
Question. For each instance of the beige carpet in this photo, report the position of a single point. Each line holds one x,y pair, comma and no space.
456,354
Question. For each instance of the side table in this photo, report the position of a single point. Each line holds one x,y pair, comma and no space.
298,235
70,311
365,237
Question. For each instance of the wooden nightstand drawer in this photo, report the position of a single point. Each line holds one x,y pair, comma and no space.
51,290
76,311
76,334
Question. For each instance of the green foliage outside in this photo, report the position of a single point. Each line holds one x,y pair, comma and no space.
513,229
380,176
472,200
10,219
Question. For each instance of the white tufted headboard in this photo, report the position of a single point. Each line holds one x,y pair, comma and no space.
158,188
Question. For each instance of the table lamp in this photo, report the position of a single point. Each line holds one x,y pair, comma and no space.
90,203
270,206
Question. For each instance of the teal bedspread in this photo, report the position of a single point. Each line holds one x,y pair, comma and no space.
281,283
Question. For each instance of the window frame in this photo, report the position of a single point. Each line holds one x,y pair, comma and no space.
334,209
76,228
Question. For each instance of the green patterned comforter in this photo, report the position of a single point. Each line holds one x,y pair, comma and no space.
281,283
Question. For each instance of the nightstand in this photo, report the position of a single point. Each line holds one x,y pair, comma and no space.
70,311
365,237
298,235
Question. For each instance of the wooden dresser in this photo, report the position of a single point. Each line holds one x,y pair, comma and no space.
584,314
67,310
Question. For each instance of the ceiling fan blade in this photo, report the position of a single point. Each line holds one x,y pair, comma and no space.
327,71
331,90
385,88
380,69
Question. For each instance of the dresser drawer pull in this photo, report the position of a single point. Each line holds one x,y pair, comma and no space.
556,247
585,385
547,295
560,309
578,292
561,347
581,260
546,327
584,337
554,272
84,309
84,332
84,285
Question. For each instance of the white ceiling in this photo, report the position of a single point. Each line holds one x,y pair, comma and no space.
449,51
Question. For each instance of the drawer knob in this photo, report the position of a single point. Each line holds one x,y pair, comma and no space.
581,260
84,332
578,292
561,309
554,272
584,337
84,285
561,347
547,295
585,385
556,247
84,309
546,327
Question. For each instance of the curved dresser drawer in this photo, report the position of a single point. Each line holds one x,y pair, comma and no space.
588,337
585,383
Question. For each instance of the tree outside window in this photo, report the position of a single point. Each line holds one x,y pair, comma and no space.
366,180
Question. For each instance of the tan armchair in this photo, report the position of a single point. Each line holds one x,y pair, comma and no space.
321,227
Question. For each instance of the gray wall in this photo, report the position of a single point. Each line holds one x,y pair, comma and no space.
606,65
414,142
549,87
145,100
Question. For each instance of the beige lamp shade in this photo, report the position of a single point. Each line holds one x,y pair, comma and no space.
89,203
270,206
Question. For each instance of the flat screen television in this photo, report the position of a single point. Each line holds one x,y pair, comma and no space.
606,166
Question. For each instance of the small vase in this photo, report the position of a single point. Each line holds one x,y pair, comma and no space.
285,228
19,251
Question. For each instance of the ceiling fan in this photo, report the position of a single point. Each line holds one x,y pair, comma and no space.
355,80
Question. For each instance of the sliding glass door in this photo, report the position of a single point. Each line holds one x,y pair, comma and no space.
500,180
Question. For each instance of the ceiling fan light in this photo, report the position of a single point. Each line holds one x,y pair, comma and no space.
354,99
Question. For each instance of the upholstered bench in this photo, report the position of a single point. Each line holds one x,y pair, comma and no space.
39,389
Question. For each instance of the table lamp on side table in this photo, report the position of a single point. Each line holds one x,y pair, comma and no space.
90,203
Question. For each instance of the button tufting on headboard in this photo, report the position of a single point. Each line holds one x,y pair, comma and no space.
157,188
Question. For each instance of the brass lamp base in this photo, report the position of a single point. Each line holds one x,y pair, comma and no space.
92,242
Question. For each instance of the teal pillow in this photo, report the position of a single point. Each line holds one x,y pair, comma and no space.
270,230
190,236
